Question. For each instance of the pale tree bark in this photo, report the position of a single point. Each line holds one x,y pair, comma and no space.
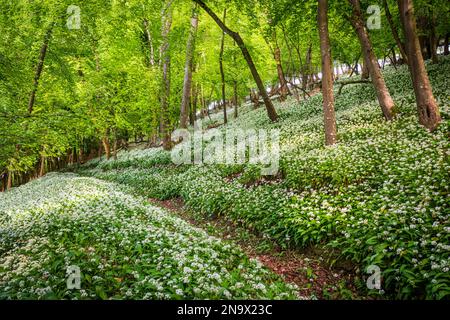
400,44
384,98
427,106
433,39
236,98
271,112
165,58
222,73
307,68
39,68
327,72
187,84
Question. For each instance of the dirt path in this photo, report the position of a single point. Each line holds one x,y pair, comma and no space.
307,269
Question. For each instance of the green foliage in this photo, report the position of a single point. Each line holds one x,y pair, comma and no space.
124,247
379,196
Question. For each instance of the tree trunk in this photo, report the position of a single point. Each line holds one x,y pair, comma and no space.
165,56
365,72
9,181
384,98
187,86
222,73
284,90
150,42
290,72
107,147
236,99
100,148
115,144
327,82
427,107
307,68
40,66
394,31
433,40
446,43
423,35
193,109
42,167
115,149
236,37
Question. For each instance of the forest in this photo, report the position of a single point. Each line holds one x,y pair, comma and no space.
224,150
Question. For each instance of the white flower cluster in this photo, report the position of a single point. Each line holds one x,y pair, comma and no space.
124,247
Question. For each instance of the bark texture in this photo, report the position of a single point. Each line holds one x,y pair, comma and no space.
427,106
327,73
236,37
384,98
187,84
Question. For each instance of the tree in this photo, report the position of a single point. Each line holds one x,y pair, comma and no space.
284,89
384,98
327,74
427,106
166,17
222,73
400,44
187,84
240,42
40,66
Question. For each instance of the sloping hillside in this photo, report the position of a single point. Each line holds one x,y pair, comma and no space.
380,196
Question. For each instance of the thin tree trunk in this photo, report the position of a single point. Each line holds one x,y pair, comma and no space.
150,42
427,107
9,181
327,82
236,37
284,90
222,73
291,60
42,167
81,154
424,38
446,44
100,148
433,40
365,72
193,109
187,85
394,31
106,146
236,98
115,149
307,67
39,68
384,98
283,87
165,56
115,144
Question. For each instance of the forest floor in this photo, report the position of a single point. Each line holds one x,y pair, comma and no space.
141,227
307,268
